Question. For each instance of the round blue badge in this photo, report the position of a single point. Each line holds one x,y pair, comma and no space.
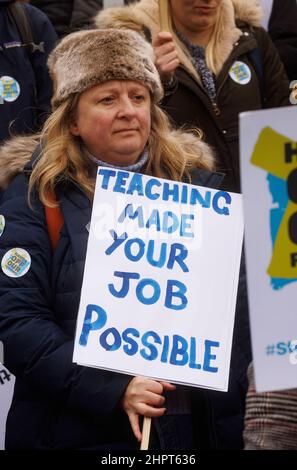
240,73
16,262
9,88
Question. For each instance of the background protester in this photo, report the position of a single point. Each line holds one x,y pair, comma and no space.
271,419
280,19
215,62
104,112
69,15
26,38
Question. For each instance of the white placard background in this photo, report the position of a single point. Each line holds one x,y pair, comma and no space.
273,312
213,261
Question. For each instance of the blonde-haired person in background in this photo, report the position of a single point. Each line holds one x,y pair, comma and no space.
215,61
105,112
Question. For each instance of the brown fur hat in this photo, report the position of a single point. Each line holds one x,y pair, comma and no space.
87,58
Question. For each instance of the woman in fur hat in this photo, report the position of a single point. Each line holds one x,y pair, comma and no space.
215,62
105,112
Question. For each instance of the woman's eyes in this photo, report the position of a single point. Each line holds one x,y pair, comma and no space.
137,98
106,100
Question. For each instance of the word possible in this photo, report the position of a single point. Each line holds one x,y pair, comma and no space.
175,349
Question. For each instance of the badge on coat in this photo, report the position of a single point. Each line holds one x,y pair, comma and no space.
9,89
16,262
240,73
2,224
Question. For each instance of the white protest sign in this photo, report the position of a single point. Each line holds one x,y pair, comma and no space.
160,281
268,147
6,391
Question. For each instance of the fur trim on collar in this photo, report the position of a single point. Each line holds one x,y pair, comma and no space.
145,15
17,152
14,155
248,11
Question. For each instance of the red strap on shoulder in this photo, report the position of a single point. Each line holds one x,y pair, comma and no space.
55,221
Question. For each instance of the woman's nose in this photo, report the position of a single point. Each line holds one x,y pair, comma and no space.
126,108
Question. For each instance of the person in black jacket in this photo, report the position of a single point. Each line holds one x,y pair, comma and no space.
25,85
282,28
68,16
104,113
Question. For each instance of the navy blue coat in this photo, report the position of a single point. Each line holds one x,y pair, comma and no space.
28,112
58,404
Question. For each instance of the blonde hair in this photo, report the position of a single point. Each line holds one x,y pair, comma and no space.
172,153
166,24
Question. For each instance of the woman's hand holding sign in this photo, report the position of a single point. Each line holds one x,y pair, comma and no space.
144,397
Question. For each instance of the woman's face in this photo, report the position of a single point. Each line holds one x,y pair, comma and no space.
113,120
194,15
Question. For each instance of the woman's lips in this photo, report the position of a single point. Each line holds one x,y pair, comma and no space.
125,130
205,10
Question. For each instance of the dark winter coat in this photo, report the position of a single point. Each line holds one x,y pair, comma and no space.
56,403
282,28
186,101
29,110
68,16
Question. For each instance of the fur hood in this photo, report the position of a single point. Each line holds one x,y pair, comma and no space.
14,156
144,16
16,153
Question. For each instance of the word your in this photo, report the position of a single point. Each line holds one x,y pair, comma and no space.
175,350
135,249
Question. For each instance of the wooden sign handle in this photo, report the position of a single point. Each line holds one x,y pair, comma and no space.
146,430
163,22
